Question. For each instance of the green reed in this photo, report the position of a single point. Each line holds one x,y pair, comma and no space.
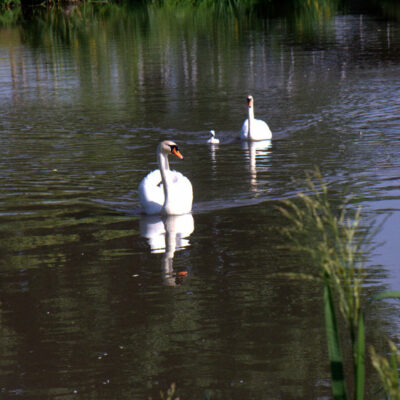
334,239
169,395
303,13
388,370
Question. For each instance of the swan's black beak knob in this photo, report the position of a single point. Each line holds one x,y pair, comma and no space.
175,151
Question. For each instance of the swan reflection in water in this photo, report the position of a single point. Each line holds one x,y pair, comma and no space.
213,143
258,150
166,235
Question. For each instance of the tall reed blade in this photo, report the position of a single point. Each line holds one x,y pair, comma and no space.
360,360
394,365
334,348
389,294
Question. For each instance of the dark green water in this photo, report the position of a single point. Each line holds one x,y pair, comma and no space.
92,306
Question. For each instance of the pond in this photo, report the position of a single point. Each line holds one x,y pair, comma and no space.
100,302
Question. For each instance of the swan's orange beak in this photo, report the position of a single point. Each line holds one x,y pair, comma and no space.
175,151
249,102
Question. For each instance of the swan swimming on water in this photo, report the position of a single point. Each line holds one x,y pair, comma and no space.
164,191
254,129
213,139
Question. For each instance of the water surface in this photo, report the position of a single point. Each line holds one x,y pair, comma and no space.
98,301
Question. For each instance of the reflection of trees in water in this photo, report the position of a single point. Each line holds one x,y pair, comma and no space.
127,52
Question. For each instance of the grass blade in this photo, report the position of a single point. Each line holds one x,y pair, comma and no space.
390,294
334,349
360,360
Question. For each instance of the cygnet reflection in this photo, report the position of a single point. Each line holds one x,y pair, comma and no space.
166,235
258,150
213,145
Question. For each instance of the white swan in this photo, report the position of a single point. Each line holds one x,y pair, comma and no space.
164,191
213,139
254,129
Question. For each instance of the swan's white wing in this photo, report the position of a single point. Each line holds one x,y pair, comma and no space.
180,194
151,193
260,130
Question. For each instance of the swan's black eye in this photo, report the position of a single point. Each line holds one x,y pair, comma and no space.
174,147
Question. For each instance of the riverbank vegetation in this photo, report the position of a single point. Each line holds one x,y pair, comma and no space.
271,8
337,244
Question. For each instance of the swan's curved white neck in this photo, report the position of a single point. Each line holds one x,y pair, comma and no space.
162,159
250,119
163,165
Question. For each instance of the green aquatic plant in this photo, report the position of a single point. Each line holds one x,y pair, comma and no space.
332,236
334,243
388,370
8,3
169,395
9,15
